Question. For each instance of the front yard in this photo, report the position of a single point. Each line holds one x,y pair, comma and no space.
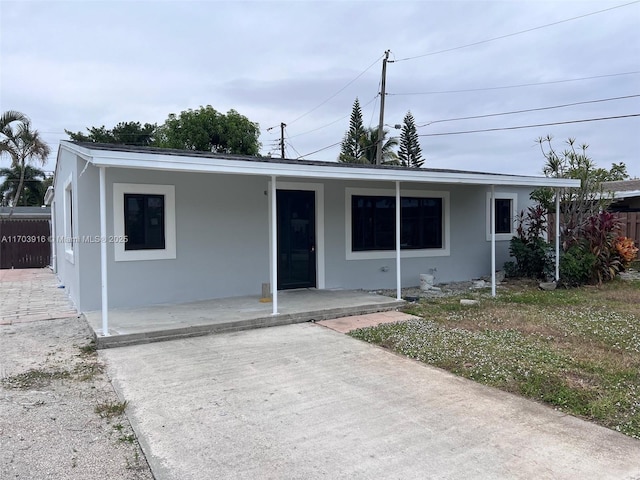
578,349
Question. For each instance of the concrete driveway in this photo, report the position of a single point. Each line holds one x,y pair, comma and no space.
305,402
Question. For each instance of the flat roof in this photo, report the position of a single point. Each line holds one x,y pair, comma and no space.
153,158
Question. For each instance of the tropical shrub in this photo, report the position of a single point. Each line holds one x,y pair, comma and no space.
599,236
530,250
576,266
627,250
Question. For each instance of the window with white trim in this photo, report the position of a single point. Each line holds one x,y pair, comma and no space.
505,215
69,240
144,222
371,223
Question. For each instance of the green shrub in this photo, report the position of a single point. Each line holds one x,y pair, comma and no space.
576,266
531,252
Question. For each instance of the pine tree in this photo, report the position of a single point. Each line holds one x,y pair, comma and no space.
352,149
410,153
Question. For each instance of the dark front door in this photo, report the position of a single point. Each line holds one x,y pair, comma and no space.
296,239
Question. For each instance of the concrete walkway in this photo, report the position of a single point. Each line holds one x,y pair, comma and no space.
32,295
305,402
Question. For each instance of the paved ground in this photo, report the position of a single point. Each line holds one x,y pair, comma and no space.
304,402
32,295
50,386
346,324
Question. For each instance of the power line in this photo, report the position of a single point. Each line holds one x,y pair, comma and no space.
319,150
518,85
339,91
529,126
526,110
334,121
514,33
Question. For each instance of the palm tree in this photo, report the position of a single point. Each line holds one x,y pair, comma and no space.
370,146
34,186
22,144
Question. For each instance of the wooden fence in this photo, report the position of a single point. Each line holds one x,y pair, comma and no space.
24,243
629,226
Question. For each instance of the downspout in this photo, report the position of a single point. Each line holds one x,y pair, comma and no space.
398,220
557,221
274,246
493,241
103,252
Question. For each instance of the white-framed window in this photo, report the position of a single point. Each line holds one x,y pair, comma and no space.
506,215
370,224
69,239
144,222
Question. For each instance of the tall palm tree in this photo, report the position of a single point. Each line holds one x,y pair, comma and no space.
22,144
33,190
370,144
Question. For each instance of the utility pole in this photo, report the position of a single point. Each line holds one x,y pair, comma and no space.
382,95
282,125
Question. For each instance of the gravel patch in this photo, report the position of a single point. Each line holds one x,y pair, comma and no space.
51,390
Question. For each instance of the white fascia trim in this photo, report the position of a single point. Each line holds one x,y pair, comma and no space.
514,209
67,218
626,194
445,251
318,188
169,252
158,161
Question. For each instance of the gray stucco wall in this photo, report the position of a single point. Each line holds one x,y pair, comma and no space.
222,236
222,233
67,267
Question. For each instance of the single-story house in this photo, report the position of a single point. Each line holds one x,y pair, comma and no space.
137,226
625,194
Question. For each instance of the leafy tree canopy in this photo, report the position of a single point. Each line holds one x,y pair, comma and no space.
208,130
204,129
577,204
125,133
34,186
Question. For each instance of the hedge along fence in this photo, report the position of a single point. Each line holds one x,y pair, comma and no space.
24,243
629,226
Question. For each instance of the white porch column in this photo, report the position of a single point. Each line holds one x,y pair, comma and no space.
274,246
103,251
398,231
557,220
493,240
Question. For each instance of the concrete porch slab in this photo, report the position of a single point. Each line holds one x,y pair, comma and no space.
166,322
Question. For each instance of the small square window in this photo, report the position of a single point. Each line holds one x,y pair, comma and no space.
144,222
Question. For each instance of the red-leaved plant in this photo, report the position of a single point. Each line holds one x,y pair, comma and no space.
599,235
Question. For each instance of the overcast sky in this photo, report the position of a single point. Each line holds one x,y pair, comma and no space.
76,64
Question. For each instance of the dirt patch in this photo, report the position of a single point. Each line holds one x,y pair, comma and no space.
52,387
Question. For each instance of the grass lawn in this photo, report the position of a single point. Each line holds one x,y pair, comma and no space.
578,349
